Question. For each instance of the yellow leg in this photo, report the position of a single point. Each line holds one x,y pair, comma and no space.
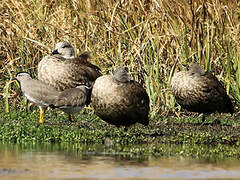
71,117
42,112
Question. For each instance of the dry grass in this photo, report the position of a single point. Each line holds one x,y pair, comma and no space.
152,37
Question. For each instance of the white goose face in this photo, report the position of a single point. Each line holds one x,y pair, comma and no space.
23,76
64,49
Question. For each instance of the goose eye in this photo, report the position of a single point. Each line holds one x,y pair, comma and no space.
66,46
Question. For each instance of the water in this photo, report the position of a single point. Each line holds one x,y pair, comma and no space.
46,161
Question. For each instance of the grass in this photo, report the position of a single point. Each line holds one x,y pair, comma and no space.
152,38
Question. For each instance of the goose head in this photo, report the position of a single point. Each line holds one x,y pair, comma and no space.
64,49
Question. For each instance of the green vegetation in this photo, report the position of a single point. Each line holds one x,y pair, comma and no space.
152,38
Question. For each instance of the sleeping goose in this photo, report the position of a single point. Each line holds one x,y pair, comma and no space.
63,70
199,91
120,101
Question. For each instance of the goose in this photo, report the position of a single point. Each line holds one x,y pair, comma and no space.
120,101
37,92
198,91
63,70
72,100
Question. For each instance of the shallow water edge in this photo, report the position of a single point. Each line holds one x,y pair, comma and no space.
65,161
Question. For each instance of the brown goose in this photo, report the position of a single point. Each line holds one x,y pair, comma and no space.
37,92
119,100
199,91
72,100
63,71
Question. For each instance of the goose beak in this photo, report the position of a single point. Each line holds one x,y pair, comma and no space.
55,52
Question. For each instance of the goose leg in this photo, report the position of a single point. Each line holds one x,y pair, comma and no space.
203,118
42,112
71,117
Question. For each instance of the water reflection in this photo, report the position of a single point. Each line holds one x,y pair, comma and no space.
46,161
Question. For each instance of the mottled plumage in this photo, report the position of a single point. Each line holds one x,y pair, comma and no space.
72,100
119,100
37,92
199,91
63,71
